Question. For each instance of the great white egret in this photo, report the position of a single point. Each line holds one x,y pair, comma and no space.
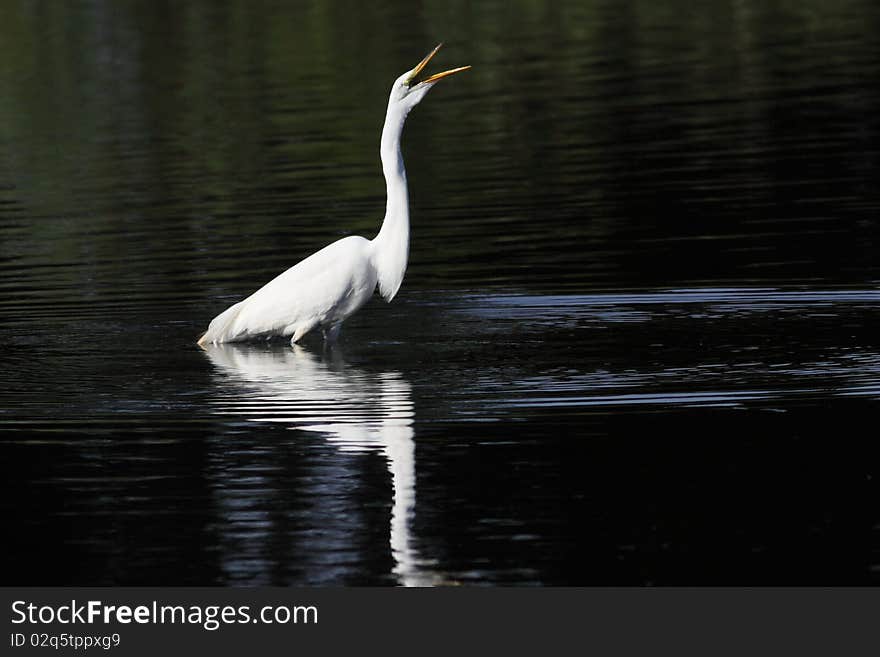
330,285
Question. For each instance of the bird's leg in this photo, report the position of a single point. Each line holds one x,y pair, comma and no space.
331,333
300,331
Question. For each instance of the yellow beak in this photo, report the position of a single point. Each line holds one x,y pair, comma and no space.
436,76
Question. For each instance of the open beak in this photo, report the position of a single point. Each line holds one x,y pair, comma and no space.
436,76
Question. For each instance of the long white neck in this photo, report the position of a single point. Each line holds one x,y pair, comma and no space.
391,245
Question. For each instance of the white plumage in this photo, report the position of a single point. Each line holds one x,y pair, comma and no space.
330,285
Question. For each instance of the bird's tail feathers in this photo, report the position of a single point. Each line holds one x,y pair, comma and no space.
219,330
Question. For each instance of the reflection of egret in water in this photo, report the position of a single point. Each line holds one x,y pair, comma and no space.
356,410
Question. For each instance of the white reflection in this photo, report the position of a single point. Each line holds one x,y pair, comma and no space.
355,410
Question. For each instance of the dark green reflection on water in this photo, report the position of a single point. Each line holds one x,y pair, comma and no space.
204,147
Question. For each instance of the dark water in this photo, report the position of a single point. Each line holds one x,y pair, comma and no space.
637,341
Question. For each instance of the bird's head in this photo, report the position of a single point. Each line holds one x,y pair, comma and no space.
408,91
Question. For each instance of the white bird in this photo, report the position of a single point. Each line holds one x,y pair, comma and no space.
330,285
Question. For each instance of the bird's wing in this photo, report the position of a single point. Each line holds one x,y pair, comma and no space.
306,293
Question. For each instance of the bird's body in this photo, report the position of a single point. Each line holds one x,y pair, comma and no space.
318,292
330,285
